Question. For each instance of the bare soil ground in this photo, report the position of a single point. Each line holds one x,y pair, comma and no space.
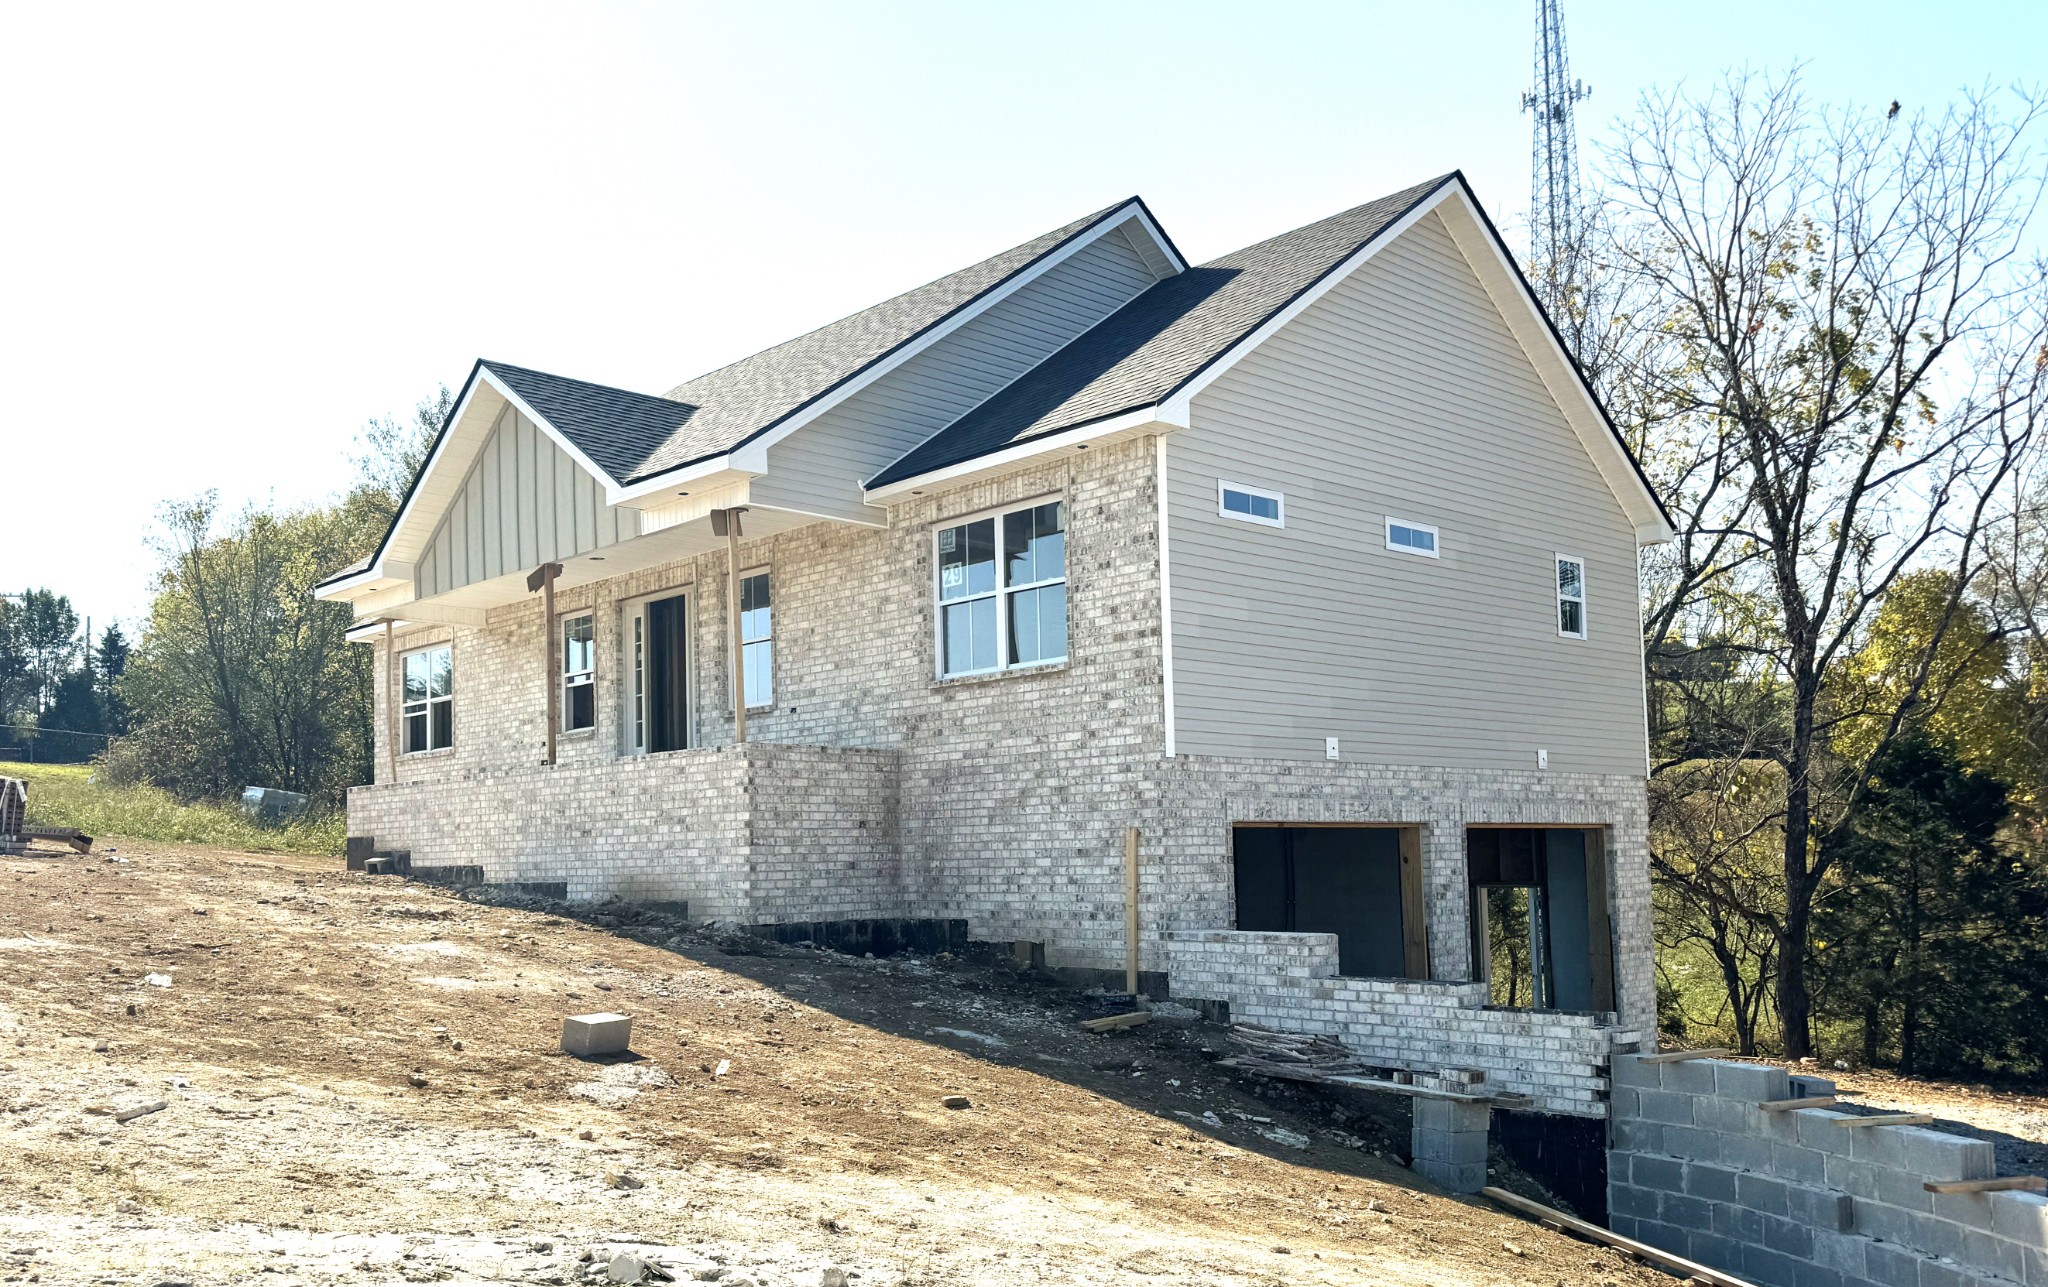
362,1083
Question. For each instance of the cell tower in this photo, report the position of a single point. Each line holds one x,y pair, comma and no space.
1553,156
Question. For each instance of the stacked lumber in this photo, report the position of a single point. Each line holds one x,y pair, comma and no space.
1295,1052
1311,1057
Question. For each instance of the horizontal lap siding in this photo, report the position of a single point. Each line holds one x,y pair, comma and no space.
820,468
1401,393
524,503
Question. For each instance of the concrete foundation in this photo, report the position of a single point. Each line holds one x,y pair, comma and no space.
1449,1144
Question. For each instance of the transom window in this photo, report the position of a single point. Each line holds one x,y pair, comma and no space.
1411,538
757,639
1571,597
1250,504
579,673
1003,590
428,711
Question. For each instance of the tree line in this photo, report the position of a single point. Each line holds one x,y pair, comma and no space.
1824,332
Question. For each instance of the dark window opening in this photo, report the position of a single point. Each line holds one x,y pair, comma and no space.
1540,933
1363,884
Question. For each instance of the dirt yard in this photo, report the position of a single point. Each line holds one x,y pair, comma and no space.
361,1082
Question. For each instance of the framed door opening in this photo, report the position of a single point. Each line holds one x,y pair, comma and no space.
656,634
1361,883
1541,938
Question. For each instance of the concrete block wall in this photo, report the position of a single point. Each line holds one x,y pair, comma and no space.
1289,982
1791,1199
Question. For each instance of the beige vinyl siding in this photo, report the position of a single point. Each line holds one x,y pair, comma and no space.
819,468
1401,392
524,502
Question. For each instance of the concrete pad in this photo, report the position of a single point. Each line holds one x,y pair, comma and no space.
585,1035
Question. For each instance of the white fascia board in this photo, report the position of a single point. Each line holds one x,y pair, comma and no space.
665,484
757,449
1489,259
1128,425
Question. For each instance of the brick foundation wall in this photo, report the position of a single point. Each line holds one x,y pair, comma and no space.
1790,1199
1290,982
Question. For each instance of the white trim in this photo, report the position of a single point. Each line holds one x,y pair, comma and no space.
1002,592
746,575
1279,499
1560,598
426,705
752,455
1129,425
636,606
564,674
561,440
1165,599
1436,540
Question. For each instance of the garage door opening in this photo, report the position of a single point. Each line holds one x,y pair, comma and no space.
1363,884
1540,933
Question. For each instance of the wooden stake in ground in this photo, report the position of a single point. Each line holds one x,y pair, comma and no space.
1131,911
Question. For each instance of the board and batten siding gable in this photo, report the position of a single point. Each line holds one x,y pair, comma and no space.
525,502
1401,392
819,469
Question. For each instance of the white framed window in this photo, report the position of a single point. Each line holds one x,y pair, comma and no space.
1411,538
757,639
428,710
1571,596
1002,590
1250,504
579,673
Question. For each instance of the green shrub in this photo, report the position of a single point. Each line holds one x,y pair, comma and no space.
68,795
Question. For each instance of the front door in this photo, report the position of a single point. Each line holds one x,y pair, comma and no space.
657,675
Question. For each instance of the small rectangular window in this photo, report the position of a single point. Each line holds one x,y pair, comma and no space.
428,702
757,639
1571,597
1002,591
1250,504
1411,538
579,673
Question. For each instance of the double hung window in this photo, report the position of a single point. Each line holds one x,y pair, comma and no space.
757,640
579,673
1571,597
1002,591
428,709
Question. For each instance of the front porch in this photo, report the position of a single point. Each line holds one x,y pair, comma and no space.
756,832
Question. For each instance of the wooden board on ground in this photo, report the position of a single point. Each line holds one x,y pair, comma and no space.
1687,1269
1111,1022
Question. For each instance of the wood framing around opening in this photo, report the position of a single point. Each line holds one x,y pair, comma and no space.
1414,906
1599,927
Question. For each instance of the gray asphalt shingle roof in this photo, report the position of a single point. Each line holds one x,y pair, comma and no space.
726,407
611,426
1144,352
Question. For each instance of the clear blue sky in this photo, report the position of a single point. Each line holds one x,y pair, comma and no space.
233,235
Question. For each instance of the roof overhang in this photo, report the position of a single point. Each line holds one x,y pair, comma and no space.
751,456
1136,423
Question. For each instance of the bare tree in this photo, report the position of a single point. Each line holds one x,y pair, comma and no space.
1835,366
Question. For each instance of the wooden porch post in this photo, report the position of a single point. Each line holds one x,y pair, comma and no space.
1131,911
393,696
726,522
542,578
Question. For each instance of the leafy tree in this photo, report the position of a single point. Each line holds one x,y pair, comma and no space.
1934,940
110,662
1833,371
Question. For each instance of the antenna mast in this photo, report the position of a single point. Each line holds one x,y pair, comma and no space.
1553,157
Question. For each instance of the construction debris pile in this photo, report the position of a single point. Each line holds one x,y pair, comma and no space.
1324,1060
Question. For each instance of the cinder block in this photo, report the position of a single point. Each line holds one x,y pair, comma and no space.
1630,1070
1890,1266
1776,1269
1632,1201
584,1035
1805,1165
1746,1153
1988,1253
1877,1220
1690,1214
1842,1252
2037,1268
1818,1208
1762,1193
1935,1155
1817,1129
1454,1177
1450,1115
1738,1223
1638,1137
1788,1237
1903,1189
1664,1174
1719,1113
1690,1076
1851,1176
1665,1237
1693,1142
2023,1217
1714,1183
1754,1083
1804,1087
1716,1252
